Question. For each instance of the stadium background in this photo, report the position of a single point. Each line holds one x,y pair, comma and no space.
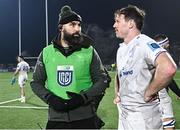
97,22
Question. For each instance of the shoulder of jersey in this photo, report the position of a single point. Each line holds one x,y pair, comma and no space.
19,63
149,43
145,40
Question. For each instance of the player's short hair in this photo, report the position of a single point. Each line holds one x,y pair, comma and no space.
134,13
22,57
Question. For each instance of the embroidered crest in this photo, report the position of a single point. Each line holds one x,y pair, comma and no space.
64,75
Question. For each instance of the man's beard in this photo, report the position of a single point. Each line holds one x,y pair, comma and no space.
72,39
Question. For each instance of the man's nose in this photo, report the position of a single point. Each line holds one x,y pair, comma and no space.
114,25
77,28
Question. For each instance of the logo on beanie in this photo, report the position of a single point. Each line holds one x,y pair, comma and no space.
64,75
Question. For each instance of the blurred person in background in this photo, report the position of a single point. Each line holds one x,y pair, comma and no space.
163,41
22,69
165,99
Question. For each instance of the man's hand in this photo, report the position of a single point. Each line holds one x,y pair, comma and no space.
116,99
61,104
75,101
57,103
13,80
150,98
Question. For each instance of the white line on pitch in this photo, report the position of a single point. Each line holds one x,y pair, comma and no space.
24,107
10,101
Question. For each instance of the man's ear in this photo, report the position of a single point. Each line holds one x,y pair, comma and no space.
60,27
131,23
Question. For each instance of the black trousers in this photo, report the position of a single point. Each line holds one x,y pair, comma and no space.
90,123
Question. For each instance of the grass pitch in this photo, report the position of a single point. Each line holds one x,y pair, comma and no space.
33,113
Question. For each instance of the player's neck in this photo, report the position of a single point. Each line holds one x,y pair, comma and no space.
131,36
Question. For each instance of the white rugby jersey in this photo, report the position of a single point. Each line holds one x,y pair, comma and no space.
134,61
23,67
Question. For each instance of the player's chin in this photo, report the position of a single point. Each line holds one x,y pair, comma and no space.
117,35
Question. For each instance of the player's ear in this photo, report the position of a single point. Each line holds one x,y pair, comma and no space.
131,23
60,27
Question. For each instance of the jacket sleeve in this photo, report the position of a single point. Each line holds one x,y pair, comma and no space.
39,78
100,79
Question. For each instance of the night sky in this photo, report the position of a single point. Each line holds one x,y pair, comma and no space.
162,16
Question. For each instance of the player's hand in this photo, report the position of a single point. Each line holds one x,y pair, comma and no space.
150,98
13,80
116,100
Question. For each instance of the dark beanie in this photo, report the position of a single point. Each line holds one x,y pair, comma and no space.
67,15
